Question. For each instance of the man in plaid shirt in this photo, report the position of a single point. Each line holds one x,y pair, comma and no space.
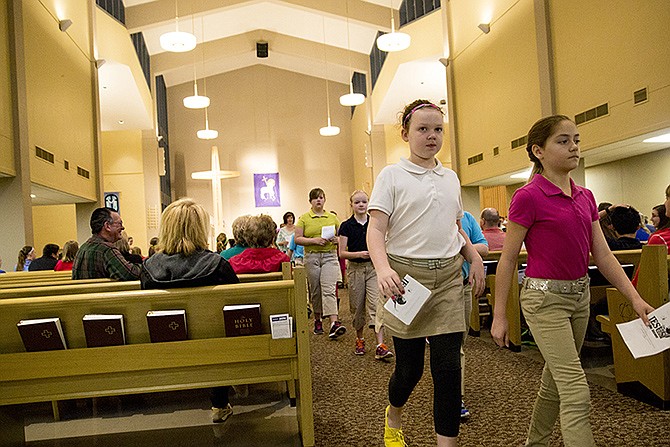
98,257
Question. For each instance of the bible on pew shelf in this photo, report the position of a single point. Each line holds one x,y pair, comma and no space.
167,325
42,334
242,319
406,306
104,330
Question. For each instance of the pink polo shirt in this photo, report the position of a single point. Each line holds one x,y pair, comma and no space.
559,236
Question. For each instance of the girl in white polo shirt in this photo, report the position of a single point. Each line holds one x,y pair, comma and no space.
415,212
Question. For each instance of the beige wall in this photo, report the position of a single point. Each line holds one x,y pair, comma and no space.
639,181
604,51
123,172
268,121
61,107
54,224
496,87
363,156
6,109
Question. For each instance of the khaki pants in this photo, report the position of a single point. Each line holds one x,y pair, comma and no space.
322,271
558,323
363,292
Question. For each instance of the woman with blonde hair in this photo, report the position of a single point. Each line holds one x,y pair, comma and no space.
70,250
184,260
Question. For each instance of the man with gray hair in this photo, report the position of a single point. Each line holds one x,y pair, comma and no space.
490,223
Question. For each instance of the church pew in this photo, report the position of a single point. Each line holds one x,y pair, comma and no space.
106,285
648,378
513,304
207,359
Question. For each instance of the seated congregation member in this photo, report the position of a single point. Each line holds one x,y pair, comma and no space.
70,250
239,233
98,257
182,259
658,217
26,256
605,221
490,224
124,247
221,242
136,251
261,256
662,234
48,259
626,221
153,242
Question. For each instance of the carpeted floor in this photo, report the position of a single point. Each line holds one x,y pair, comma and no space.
350,394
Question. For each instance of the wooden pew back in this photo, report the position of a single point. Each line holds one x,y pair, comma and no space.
651,372
72,287
206,359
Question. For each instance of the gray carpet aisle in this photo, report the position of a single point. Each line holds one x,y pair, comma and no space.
500,391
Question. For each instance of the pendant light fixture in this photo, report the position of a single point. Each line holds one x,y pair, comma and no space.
197,101
393,41
207,133
329,130
177,41
350,99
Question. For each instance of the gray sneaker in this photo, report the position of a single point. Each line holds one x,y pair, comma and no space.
221,414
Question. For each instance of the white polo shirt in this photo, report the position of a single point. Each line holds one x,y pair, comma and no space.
423,206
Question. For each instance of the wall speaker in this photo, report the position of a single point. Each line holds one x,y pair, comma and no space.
261,49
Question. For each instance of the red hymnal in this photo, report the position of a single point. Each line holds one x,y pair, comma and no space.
167,325
104,330
242,319
44,334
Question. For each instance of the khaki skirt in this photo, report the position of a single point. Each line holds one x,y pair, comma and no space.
443,313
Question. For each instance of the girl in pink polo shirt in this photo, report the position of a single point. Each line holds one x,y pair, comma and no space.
558,222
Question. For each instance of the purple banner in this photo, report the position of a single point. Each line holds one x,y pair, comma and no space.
266,190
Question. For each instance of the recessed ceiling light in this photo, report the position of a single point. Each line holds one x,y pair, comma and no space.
121,122
659,139
32,196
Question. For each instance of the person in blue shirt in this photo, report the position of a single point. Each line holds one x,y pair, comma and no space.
296,252
473,230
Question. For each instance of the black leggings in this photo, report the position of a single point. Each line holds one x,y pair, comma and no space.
445,367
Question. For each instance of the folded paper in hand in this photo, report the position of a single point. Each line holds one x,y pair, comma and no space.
406,306
328,232
642,340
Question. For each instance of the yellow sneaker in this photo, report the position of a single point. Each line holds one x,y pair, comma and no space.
393,437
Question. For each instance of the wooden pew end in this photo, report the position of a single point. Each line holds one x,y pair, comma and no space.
605,323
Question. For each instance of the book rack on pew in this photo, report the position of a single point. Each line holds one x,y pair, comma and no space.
513,304
206,359
647,378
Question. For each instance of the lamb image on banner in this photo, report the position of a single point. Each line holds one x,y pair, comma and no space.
266,190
